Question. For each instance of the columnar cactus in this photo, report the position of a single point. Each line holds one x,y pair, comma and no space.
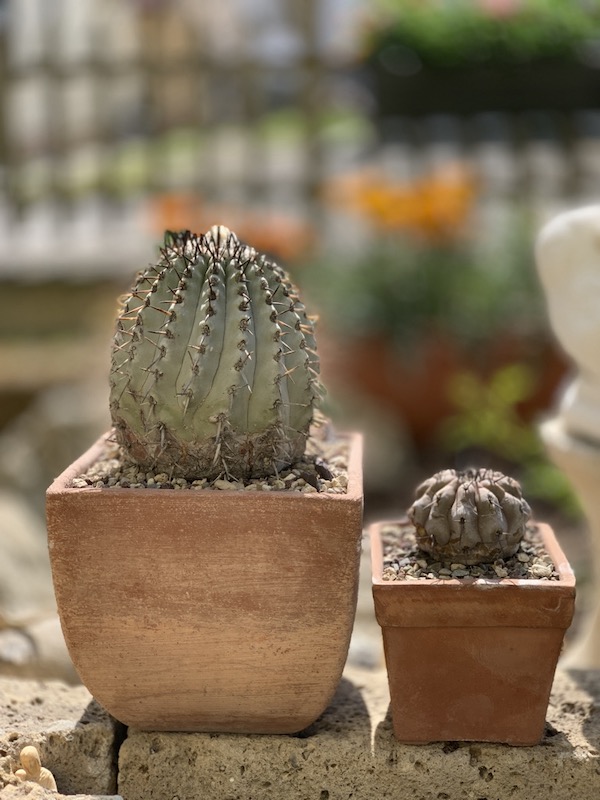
469,517
214,367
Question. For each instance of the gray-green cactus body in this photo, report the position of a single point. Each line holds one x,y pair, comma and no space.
214,367
469,517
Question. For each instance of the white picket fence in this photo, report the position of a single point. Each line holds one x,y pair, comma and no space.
107,105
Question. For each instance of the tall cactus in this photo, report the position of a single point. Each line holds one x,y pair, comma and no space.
470,517
214,366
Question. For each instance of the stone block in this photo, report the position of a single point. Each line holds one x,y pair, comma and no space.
350,752
12,790
77,740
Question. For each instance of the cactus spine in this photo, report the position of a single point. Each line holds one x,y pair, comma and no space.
469,517
214,367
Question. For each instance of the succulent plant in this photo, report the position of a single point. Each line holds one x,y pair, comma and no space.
469,517
214,366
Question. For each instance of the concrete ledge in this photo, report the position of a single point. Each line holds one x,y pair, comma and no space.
77,740
351,753
348,753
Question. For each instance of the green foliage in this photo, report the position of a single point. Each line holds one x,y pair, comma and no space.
403,288
487,418
214,369
487,414
463,33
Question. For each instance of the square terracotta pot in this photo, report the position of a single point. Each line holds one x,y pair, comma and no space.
472,660
205,610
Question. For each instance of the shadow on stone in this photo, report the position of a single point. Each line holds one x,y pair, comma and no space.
95,715
346,713
586,704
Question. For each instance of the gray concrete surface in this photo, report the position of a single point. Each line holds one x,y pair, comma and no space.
351,753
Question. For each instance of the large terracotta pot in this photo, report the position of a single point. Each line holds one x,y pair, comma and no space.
472,660
207,610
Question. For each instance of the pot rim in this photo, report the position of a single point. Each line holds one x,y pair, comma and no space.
475,602
553,548
354,491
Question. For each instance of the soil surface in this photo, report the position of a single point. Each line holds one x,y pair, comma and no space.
324,468
403,560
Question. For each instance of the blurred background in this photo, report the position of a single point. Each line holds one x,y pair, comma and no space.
398,157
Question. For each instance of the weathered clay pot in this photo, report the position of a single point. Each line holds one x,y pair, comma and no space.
472,660
207,610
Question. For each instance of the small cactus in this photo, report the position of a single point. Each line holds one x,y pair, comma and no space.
469,517
214,368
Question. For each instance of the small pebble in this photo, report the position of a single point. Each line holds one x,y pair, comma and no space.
224,485
541,570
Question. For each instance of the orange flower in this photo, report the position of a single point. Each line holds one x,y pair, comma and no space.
435,206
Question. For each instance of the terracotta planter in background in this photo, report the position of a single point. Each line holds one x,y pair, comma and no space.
207,610
472,660
415,386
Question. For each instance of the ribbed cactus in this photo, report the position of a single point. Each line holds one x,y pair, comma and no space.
214,368
469,517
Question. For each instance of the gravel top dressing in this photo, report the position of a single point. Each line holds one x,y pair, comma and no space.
403,561
324,468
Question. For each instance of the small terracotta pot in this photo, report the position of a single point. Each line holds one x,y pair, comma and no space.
207,610
472,660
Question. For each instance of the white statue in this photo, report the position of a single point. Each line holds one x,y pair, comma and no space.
32,769
568,260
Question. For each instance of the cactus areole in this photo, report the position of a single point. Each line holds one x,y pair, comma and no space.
469,517
214,365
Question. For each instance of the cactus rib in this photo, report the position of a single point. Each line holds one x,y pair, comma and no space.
469,517
214,367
